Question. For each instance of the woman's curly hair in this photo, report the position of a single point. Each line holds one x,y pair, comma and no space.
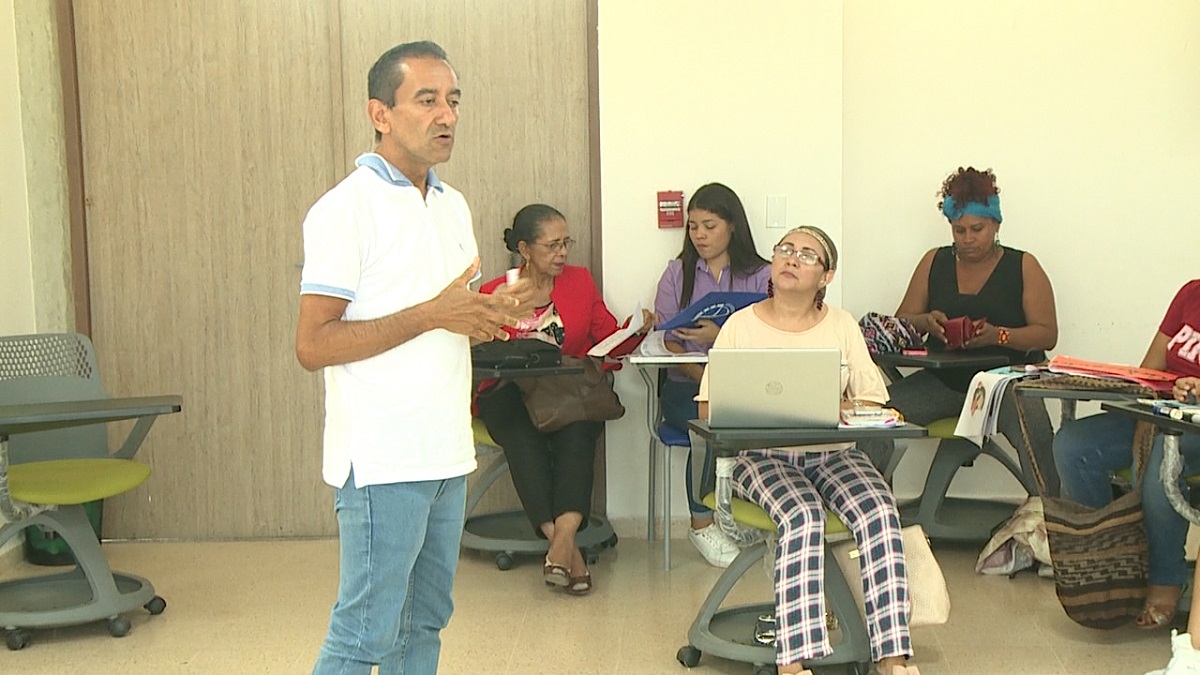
968,185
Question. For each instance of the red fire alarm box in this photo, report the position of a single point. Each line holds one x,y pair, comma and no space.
670,209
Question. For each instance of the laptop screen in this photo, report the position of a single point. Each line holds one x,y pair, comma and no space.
774,388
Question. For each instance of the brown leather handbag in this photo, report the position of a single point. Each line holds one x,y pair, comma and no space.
555,401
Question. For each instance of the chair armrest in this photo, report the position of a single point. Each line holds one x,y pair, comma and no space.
136,435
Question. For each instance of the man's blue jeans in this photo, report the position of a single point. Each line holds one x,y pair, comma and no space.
399,552
1088,450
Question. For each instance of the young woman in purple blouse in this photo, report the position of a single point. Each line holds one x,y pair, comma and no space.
718,255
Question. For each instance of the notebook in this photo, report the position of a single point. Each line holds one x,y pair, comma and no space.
716,307
774,388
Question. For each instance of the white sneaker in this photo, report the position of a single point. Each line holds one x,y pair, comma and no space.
716,546
1185,659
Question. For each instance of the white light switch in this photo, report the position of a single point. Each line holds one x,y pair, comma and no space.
776,211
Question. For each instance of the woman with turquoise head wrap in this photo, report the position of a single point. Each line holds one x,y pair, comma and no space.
1002,289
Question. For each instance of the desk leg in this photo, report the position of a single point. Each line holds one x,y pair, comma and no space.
900,446
1068,410
652,450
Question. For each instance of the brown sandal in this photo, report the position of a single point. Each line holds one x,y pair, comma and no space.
556,575
581,585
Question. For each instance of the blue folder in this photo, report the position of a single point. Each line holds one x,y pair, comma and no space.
716,307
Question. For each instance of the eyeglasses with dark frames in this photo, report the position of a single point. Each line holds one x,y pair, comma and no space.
557,245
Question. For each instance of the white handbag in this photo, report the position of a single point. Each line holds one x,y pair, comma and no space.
929,600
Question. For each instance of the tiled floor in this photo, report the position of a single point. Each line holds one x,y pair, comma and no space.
261,607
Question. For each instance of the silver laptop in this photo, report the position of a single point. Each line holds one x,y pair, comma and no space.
773,388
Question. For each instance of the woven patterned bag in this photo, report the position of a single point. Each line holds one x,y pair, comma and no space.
1099,555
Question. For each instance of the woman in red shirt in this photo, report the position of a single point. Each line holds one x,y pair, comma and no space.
552,471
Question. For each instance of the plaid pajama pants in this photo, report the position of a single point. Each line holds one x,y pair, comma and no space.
794,487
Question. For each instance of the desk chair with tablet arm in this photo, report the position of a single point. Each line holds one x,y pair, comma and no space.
508,533
45,478
711,629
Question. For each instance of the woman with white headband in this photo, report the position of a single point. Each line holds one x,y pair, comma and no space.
796,485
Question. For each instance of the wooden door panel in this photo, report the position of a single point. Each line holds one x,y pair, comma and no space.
208,130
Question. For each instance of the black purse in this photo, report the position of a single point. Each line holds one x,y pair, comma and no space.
516,354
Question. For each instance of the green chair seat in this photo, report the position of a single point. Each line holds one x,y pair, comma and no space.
482,437
74,481
754,516
943,428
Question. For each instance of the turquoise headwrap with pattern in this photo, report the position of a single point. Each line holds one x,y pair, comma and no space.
991,209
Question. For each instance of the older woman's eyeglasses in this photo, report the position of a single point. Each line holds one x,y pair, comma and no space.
803,255
558,244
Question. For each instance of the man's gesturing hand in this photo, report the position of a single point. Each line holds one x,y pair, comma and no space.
461,310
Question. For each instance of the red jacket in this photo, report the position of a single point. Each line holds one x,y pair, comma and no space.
586,319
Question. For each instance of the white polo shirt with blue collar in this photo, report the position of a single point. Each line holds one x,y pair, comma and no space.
403,415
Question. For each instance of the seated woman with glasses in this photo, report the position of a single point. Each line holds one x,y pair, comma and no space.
1004,289
552,472
795,485
718,255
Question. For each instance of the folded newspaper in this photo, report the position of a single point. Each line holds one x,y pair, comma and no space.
981,409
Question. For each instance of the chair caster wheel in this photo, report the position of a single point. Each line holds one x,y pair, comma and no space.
688,656
611,542
118,626
765,670
504,562
156,606
17,639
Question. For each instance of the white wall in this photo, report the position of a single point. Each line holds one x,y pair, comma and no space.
1087,111
747,94
16,273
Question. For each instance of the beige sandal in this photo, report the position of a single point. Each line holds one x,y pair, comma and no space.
1155,616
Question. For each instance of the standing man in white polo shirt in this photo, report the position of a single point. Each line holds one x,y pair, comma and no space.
386,312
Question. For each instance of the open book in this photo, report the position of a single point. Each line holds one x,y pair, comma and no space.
981,409
632,325
1157,380
655,345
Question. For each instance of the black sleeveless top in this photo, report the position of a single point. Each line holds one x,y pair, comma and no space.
998,301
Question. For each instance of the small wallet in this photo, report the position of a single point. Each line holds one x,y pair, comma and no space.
960,330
